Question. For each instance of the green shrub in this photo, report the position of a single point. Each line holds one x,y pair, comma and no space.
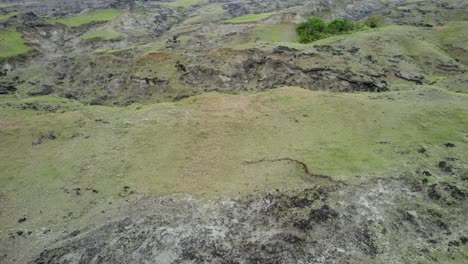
312,29
340,26
315,28
375,21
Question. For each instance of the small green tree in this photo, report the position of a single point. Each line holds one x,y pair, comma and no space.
315,28
312,29
375,21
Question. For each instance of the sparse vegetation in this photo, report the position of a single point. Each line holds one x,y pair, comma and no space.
375,21
209,12
7,15
181,3
316,28
249,18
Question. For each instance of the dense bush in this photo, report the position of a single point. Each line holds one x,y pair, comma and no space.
315,28
312,29
340,25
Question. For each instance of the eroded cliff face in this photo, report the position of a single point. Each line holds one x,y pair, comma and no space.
179,59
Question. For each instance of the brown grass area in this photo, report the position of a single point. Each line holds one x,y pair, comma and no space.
224,103
162,55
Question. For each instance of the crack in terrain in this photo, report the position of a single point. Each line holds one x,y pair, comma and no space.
304,166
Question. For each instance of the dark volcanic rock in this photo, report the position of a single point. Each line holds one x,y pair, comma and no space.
7,89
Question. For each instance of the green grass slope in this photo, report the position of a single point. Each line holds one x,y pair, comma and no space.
7,15
89,18
181,3
277,33
12,44
102,34
203,145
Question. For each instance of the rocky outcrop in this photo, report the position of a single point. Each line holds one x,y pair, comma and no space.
375,221
254,70
7,88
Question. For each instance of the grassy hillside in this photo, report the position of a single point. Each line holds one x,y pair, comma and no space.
249,18
89,18
277,33
206,145
102,34
7,15
164,131
12,43
181,3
